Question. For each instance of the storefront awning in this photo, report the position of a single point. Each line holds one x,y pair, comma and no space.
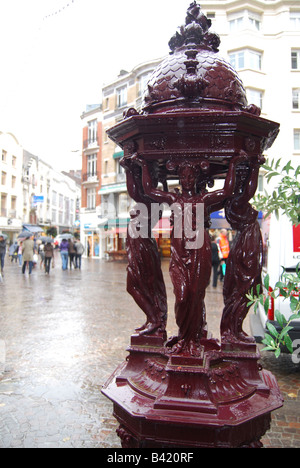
114,188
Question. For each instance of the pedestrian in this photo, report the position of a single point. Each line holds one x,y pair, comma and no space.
12,251
49,256
215,254
28,253
2,253
20,255
225,249
72,253
41,254
79,252
64,253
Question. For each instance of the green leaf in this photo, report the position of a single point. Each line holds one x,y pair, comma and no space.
294,303
289,344
272,329
280,318
267,282
277,352
266,304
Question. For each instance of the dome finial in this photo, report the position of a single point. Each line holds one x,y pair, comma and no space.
195,31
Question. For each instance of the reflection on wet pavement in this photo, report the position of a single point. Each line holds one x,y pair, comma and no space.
61,337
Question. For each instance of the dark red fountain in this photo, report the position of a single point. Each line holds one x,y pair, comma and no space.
196,127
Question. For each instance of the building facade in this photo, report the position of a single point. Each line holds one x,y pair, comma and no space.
49,197
33,193
91,179
11,203
261,40
125,92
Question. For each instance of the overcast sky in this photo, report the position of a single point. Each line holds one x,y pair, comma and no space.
57,54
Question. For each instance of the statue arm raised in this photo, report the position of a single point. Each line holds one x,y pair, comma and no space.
216,197
251,184
154,193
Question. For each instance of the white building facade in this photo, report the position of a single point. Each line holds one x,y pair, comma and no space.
50,197
11,202
261,39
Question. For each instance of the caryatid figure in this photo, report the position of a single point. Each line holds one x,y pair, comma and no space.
244,264
190,265
145,282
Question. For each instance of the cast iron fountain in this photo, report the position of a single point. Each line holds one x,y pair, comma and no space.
196,126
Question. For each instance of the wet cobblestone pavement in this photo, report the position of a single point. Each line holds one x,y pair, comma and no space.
61,337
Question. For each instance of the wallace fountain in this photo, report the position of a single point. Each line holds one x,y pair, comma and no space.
196,127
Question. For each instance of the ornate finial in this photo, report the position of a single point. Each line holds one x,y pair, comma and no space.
195,31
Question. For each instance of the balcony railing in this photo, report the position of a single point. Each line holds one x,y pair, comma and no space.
90,177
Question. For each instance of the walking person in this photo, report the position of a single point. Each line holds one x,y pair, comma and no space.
215,253
64,253
28,253
42,254
225,249
2,253
20,254
13,252
72,253
79,252
49,256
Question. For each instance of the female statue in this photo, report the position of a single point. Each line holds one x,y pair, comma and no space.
190,267
145,281
244,264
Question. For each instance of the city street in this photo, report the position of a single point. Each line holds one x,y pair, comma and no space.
61,337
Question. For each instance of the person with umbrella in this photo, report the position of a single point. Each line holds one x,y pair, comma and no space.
49,256
2,251
28,252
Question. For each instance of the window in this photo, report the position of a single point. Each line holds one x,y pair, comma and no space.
3,205
296,99
142,83
14,161
54,217
244,20
92,131
246,58
4,156
122,97
3,178
236,24
295,19
297,139
255,96
54,198
92,165
91,199
13,182
295,59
